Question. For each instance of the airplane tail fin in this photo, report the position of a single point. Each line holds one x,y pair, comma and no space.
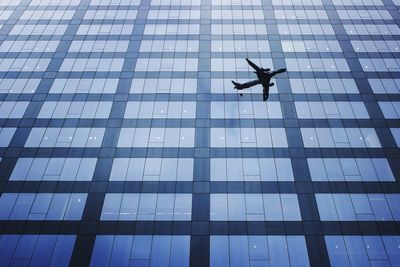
237,85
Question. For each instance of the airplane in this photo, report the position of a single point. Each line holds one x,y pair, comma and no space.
264,77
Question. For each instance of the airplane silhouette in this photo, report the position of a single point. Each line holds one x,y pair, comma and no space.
264,77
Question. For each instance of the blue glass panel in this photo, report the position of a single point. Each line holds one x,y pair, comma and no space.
63,250
239,251
43,250
102,251
219,251
121,251
141,247
160,251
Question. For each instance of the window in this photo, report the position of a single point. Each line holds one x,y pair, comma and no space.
236,14
390,110
248,137
236,2
110,14
105,29
396,135
36,250
317,64
12,109
147,207
175,2
37,14
364,14
385,86
323,86
358,207
363,250
113,2
254,207
340,137
358,2
92,64
54,2
91,86
163,85
379,64
171,29
331,110
311,46
65,137
239,46
169,46
141,250
239,29
300,14
6,134
53,169
258,251
156,137
42,206
28,46
152,169
245,109
376,46
109,46
18,86
160,110
305,29
75,109
166,64
49,29
24,64
350,169
371,29
251,169
181,14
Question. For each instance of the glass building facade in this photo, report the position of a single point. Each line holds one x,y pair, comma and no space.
123,142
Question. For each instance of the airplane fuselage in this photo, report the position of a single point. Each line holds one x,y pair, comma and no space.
264,79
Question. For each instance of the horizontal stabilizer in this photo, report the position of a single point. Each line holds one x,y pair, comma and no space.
237,85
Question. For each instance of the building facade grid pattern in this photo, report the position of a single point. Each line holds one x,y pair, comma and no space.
121,114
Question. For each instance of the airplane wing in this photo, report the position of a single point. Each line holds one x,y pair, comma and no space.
272,74
280,71
254,66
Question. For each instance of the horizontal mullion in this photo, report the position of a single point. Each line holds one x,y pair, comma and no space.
193,122
230,187
214,97
208,228
200,152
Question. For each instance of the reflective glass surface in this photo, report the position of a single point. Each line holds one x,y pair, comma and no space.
124,143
